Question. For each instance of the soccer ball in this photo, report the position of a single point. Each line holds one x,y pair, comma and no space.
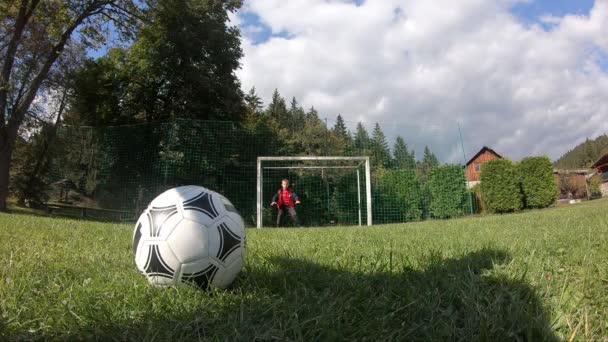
190,235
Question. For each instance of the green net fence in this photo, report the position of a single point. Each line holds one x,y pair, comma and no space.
119,170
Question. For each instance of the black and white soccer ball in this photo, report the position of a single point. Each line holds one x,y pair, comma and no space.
191,235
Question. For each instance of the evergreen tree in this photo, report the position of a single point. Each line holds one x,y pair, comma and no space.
340,128
343,141
428,162
253,101
361,139
253,111
379,147
297,117
403,158
312,114
314,137
277,109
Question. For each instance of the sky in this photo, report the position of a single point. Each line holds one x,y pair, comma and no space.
523,77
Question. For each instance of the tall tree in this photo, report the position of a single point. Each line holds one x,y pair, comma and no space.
33,36
99,89
343,142
379,147
428,162
183,62
253,109
277,109
297,117
312,114
253,101
403,158
340,128
361,138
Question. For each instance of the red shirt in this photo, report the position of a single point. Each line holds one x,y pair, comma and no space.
285,198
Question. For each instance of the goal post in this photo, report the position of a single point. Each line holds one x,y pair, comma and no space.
310,161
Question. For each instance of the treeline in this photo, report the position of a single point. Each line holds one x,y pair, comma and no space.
167,109
584,154
291,130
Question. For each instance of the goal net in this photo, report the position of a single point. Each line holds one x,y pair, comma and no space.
332,190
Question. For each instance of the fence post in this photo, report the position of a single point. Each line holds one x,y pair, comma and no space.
464,156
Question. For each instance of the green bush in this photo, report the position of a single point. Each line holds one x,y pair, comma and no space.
500,186
479,205
448,191
537,182
397,197
594,186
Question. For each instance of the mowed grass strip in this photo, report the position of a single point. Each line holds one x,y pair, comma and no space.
529,276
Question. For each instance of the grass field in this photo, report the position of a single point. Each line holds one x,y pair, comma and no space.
530,276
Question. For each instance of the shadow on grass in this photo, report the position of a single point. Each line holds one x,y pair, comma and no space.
294,299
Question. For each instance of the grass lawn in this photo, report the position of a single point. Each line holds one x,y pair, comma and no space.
528,276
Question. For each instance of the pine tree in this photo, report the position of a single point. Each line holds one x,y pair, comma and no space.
379,147
343,141
312,114
277,109
340,128
403,158
253,101
428,162
361,139
297,117
253,110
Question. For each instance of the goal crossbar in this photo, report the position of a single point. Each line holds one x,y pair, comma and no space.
361,160
309,167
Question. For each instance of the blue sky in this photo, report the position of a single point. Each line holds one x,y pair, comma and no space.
529,12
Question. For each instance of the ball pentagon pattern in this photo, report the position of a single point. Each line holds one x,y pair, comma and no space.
189,235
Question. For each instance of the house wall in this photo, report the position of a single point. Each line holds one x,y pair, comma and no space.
604,186
473,176
577,181
604,189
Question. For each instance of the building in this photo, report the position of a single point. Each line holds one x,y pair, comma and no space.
572,183
601,168
473,166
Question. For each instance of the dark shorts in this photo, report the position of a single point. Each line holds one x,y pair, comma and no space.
292,213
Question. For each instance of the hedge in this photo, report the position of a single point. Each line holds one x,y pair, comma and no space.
500,186
397,197
479,205
448,191
537,182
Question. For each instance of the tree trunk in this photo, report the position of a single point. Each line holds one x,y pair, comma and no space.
5,157
7,141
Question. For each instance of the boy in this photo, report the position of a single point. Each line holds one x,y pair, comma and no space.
285,199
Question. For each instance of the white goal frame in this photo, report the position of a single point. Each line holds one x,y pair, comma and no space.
361,160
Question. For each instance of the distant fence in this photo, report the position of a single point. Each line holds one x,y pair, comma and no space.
123,168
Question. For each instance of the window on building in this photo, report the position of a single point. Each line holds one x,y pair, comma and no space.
477,167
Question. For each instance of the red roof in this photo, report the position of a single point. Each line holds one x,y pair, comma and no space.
483,149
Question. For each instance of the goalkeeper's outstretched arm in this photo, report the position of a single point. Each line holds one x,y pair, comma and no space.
274,199
295,197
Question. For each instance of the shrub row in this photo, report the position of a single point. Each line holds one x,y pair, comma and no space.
400,195
508,187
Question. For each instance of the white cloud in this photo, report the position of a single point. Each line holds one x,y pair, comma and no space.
522,89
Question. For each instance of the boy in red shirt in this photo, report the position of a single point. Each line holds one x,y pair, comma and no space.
285,199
